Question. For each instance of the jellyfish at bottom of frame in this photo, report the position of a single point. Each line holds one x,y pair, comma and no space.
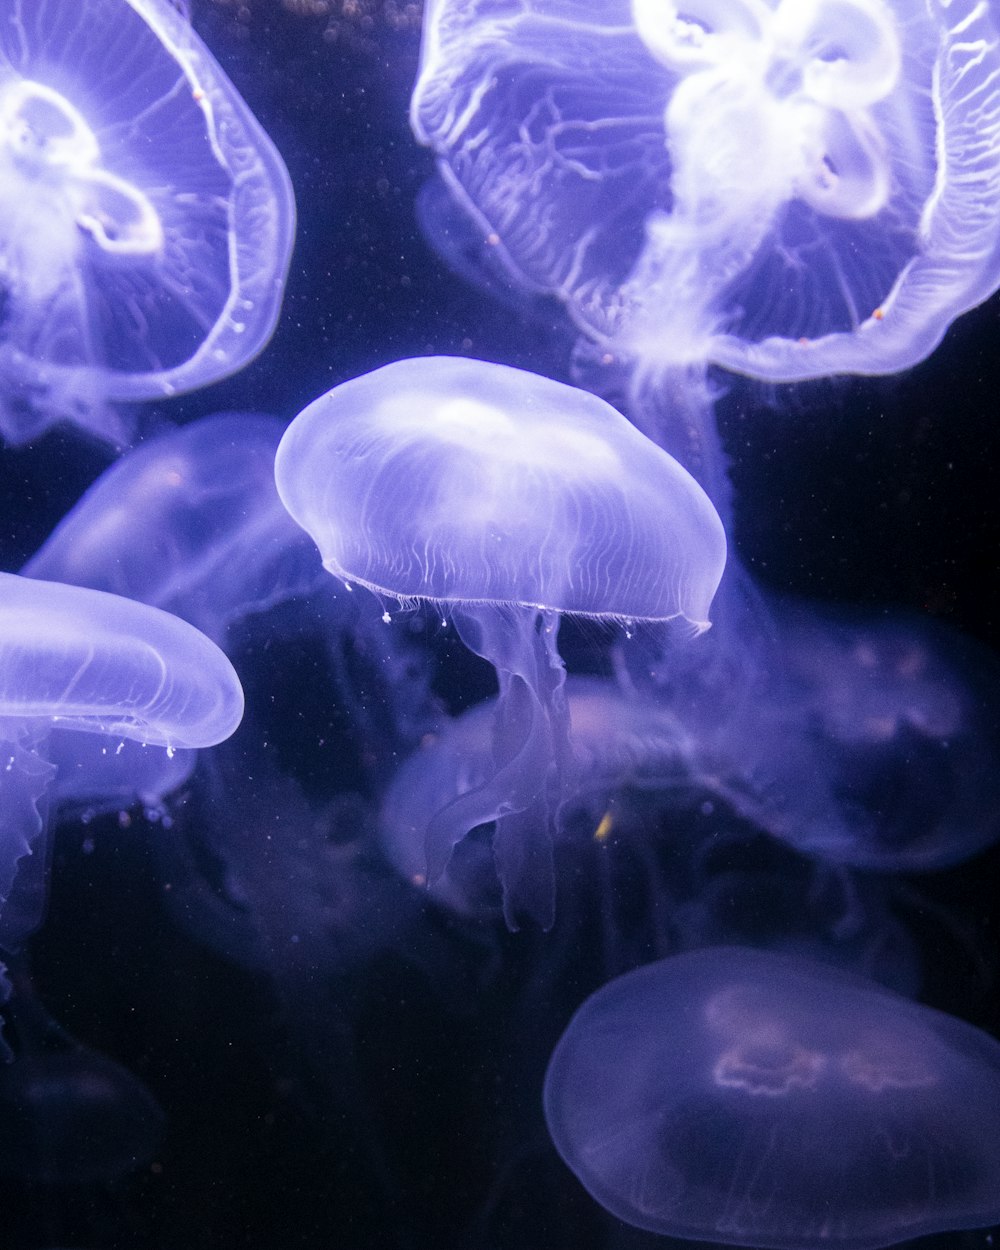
762,1100
876,746
505,500
147,219
84,661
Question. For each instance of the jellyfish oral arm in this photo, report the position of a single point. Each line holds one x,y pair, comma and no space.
530,754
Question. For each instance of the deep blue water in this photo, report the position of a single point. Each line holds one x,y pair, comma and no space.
376,1082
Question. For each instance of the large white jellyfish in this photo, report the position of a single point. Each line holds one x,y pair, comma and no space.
788,190
507,500
146,220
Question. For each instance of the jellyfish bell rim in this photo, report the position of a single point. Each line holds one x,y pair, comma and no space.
130,624
446,604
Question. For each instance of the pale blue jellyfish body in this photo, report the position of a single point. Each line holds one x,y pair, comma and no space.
761,1100
190,523
95,663
788,190
147,218
506,500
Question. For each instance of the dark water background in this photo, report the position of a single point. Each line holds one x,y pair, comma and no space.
389,1096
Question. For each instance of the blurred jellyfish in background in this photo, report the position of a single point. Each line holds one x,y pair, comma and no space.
98,664
190,523
762,1100
788,191
506,500
147,220
68,1115
617,746
649,853
876,743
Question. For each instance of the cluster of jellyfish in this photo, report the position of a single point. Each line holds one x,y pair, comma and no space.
712,791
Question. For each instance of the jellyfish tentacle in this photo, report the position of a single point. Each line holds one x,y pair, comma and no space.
24,779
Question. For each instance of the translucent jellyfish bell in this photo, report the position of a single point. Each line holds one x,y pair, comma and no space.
505,499
788,189
191,523
147,218
874,744
95,663
761,1100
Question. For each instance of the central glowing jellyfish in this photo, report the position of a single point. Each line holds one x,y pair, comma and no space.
505,499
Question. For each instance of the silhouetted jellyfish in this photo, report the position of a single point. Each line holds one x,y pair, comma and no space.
787,190
875,742
761,1100
147,219
505,499
94,663
68,1115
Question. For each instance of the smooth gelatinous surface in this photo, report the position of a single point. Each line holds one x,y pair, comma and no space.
788,190
466,482
508,499
761,1100
190,523
147,220
82,659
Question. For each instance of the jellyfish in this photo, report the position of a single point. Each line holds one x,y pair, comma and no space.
622,750
70,1116
762,1100
191,523
874,743
505,500
147,218
92,663
786,190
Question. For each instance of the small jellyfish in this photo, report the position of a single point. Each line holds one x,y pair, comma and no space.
93,663
787,190
147,219
760,1100
505,500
